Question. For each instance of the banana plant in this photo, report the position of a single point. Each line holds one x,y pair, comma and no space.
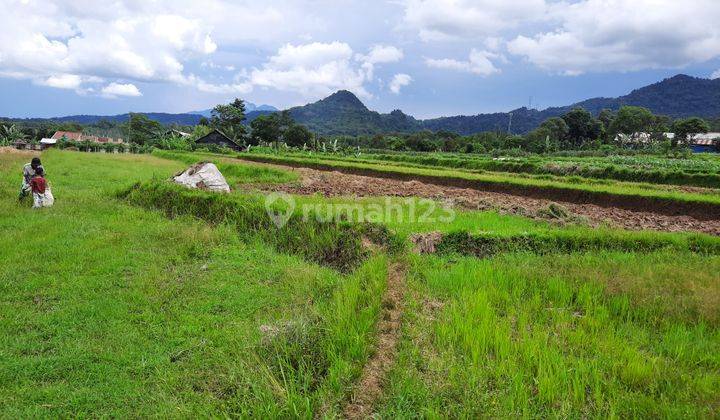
10,134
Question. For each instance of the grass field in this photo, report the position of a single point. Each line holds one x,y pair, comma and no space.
114,309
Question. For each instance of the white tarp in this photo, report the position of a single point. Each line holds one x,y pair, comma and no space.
204,176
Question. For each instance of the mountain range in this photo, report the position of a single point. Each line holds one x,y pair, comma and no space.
342,113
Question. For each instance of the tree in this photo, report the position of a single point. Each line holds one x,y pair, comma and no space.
231,115
541,140
284,120
9,134
606,118
556,128
265,128
687,128
297,135
142,130
582,127
632,121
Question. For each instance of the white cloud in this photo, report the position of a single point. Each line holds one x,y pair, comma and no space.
313,69
317,69
62,81
382,54
48,40
458,19
618,35
479,62
114,90
716,74
398,81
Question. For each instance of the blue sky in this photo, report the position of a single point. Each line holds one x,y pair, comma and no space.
427,57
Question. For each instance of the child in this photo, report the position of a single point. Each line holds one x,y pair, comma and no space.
40,189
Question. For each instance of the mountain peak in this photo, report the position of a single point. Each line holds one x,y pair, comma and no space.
346,99
682,77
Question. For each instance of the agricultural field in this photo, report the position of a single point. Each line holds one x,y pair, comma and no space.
394,289
694,170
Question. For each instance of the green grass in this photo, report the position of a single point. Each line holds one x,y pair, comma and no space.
113,309
411,215
587,335
617,189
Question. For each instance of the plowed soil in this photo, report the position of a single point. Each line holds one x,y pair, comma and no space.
334,184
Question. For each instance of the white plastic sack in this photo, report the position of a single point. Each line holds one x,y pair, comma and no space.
49,197
204,176
45,199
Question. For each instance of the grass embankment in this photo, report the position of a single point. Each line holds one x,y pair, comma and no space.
694,172
333,243
109,309
597,335
706,207
574,240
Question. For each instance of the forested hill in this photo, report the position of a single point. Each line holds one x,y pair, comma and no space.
161,117
343,113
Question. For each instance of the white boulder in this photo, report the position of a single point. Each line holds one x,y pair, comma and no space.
203,175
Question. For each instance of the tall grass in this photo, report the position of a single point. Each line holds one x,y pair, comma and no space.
604,335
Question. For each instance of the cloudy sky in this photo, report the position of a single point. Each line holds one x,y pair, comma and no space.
427,57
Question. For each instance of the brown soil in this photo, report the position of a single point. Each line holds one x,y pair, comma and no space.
333,184
369,387
657,205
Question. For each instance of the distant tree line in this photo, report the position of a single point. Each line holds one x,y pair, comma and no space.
629,128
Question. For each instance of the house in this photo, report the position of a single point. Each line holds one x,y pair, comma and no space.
47,143
77,136
700,143
219,139
705,143
22,145
177,133
69,135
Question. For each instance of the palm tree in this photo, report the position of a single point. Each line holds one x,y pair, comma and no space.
9,134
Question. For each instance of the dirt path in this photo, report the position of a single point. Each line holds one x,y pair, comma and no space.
332,184
369,387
